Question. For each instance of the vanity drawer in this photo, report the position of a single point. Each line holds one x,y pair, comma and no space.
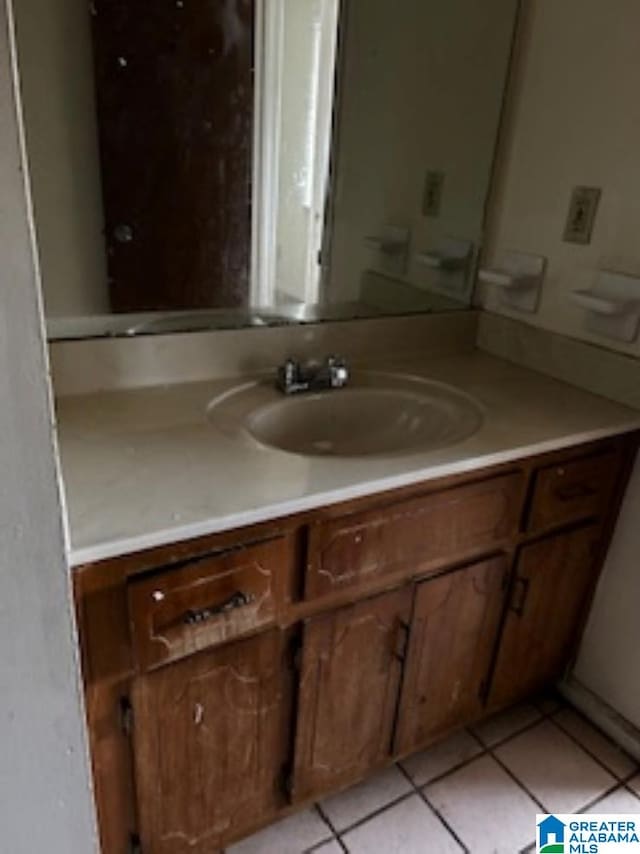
208,601
415,535
577,489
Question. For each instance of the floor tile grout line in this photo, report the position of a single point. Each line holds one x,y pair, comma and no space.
589,752
512,735
325,818
601,797
375,813
446,773
419,791
443,821
517,781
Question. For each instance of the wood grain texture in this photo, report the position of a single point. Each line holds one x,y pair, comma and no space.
211,739
417,534
551,583
174,88
454,629
575,490
208,601
349,682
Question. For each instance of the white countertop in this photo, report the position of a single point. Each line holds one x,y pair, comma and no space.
146,467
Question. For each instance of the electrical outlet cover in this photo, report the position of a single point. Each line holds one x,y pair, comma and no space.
582,215
433,190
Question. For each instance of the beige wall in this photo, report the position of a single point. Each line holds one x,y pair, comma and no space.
56,79
575,120
45,790
422,90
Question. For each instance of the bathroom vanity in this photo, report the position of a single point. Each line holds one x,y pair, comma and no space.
236,675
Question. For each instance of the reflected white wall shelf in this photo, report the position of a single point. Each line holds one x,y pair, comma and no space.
612,305
392,246
453,254
519,276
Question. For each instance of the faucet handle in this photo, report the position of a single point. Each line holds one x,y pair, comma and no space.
290,369
338,371
288,374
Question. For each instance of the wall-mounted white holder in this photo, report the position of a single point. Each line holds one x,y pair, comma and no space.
452,254
612,305
392,246
519,276
448,267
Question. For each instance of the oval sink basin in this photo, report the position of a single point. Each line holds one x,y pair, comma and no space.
376,414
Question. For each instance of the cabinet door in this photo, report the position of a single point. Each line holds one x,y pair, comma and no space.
351,669
211,738
549,592
454,629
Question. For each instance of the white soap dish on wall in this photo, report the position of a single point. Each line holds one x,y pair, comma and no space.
392,246
612,305
519,276
452,254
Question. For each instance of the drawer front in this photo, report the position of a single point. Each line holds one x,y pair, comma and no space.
568,492
208,601
414,535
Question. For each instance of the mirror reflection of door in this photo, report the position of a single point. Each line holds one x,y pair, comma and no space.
174,85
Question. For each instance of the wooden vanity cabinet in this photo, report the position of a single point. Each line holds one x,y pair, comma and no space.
234,678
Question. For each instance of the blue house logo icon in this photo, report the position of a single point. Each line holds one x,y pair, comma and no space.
551,836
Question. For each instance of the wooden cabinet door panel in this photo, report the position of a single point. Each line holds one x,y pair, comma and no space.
211,739
454,628
552,583
351,670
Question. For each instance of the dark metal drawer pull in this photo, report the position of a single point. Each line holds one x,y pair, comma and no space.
237,600
576,490
524,584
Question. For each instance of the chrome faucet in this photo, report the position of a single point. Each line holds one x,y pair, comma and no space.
295,378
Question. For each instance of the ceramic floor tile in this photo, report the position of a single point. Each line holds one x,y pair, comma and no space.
331,847
554,768
634,784
291,835
442,757
409,827
486,809
346,808
621,801
507,723
596,743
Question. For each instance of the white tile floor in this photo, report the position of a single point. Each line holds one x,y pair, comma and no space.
478,791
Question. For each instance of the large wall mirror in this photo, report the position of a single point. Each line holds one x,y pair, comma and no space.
201,164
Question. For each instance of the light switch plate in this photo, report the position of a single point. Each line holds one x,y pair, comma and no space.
432,197
582,215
